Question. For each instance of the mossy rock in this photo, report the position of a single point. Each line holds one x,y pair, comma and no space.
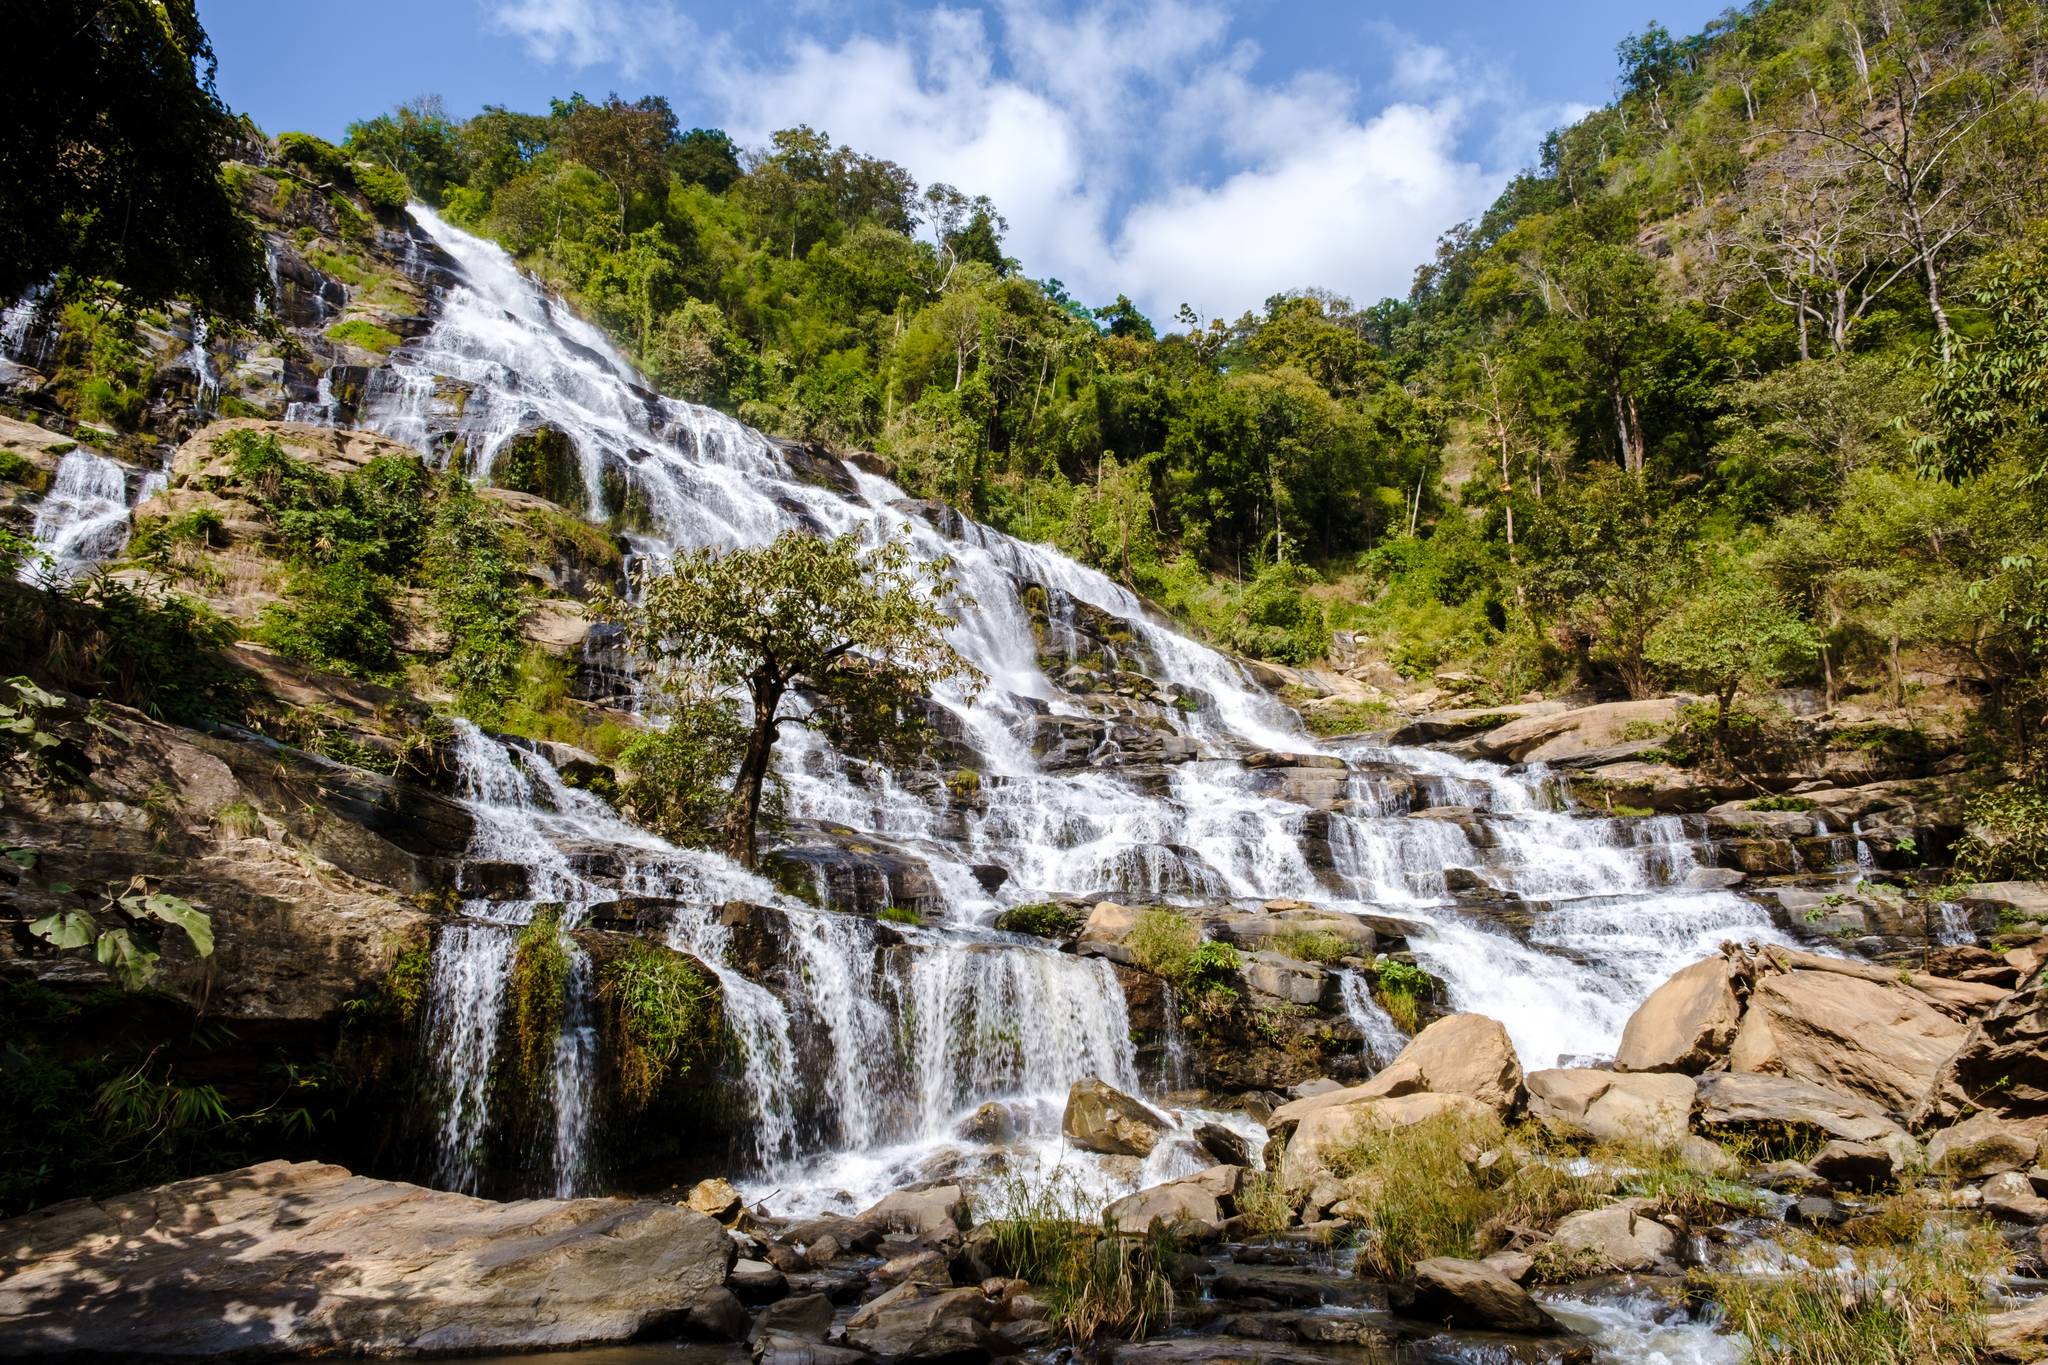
542,462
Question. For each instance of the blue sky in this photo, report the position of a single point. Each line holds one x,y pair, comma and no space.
1177,150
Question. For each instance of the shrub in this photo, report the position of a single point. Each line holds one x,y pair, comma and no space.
1312,945
334,616
1278,620
1170,946
366,334
1907,1287
1424,1190
537,1000
1093,1279
1045,919
1347,717
665,1018
475,596
2005,836
1400,988
383,189
678,781
144,646
1791,803
239,820
316,156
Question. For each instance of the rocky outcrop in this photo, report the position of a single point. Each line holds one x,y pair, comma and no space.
922,1322
932,1213
1101,1118
1734,1101
1884,1041
1686,1023
1437,727
1562,736
301,1259
1980,1146
1473,1294
2000,1066
1647,1107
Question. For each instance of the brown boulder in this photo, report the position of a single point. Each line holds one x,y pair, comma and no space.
1613,1106
1474,1294
1882,1041
299,1258
2001,1065
1686,1023
1100,1118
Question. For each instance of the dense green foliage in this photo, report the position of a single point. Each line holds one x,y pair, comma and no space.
1692,365
665,1018
112,156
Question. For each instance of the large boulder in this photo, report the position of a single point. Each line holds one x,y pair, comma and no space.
1613,1106
1620,1238
1101,1118
1566,735
2001,1066
1882,1041
1735,1101
1108,925
299,1258
1686,1023
1325,1130
1459,1054
1298,983
1473,1294
915,1322
1196,1204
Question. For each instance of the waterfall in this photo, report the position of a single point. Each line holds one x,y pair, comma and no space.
1383,1037
861,1049
83,519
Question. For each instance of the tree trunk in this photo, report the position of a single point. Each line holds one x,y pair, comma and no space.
741,844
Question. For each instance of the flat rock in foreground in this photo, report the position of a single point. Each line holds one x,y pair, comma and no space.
297,1258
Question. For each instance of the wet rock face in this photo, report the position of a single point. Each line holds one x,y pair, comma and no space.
301,1259
1100,1118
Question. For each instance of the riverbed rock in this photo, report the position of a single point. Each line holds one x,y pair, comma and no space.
932,1213
1882,1041
294,1258
1620,1238
2019,1333
715,1198
1854,1165
1103,935
1101,1118
1474,1294
1613,1106
1195,1205
1459,1054
1686,1023
1732,1101
1979,1146
915,1322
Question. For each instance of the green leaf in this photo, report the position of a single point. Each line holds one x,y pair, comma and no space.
20,857
65,929
197,926
130,961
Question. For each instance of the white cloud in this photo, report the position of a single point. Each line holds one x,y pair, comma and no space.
1131,143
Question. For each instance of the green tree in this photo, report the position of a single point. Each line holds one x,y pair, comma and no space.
1736,631
858,629
112,156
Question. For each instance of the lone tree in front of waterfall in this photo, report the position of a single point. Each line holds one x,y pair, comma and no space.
842,634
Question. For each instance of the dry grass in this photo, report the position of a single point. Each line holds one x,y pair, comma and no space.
1450,1186
1094,1280
1905,1286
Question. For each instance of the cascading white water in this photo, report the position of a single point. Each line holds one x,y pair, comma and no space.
1383,1037
975,1016
82,520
